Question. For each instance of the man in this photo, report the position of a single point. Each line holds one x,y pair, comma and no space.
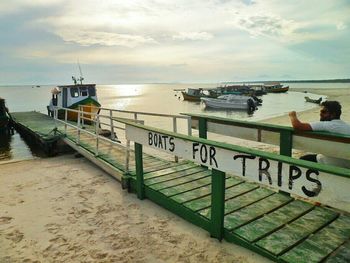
329,121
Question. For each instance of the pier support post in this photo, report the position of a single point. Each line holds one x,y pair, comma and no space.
202,128
139,172
217,204
286,142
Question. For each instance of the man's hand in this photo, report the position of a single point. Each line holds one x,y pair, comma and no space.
292,114
297,124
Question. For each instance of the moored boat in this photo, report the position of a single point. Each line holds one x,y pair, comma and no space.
73,96
233,102
196,94
318,101
275,88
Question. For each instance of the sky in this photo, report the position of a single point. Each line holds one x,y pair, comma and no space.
163,41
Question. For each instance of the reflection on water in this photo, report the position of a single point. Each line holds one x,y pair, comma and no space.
13,147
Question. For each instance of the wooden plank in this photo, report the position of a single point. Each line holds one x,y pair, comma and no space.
285,238
254,211
201,192
180,181
273,221
177,190
160,166
174,175
247,198
169,170
321,244
342,255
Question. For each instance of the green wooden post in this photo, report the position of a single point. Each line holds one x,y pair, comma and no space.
217,204
202,128
139,171
286,142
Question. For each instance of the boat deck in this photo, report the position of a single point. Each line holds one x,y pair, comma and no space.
270,223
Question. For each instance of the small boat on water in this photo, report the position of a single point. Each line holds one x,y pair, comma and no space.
196,94
275,88
318,101
73,96
233,102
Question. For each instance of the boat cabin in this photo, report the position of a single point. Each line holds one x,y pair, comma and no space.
66,96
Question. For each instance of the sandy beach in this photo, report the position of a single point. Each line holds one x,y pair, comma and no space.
65,209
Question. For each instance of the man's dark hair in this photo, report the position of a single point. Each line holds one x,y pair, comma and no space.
333,107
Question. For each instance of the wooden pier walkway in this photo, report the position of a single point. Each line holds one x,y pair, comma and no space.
269,222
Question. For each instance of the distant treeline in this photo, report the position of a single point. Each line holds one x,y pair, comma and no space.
317,81
296,81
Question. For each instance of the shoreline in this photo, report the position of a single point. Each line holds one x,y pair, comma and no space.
340,94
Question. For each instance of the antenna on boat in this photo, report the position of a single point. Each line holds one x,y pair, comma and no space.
81,74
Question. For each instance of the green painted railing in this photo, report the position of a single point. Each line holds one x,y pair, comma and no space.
285,137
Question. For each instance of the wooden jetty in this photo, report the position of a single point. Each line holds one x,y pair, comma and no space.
285,209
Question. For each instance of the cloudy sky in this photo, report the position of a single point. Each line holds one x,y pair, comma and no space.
148,41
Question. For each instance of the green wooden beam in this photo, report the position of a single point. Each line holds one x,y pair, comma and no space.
286,142
217,204
202,127
139,172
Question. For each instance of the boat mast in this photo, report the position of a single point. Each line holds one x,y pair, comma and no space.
81,74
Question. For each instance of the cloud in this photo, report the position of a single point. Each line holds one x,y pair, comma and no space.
193,36
88,38
14,6
341,26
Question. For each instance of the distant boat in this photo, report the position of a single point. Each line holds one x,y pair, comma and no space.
275,88
73,96
233,102
196,94
318,101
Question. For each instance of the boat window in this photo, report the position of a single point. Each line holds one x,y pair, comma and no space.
74,92
92,91
83,91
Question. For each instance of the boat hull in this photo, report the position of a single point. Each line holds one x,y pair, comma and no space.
239,104
277,90
189,97
89,106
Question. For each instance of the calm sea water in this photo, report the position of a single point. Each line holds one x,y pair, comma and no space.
156,98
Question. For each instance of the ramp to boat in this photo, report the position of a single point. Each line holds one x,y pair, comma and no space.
269,222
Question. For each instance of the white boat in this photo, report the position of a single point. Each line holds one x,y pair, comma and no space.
235,102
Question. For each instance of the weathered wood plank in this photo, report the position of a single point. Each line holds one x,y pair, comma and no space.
256,210
172,176
273,221
169,170
248,197
342,255
161,165
322,244
177,190
288,236
202,191
180,181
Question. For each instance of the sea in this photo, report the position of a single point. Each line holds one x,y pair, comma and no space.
153,98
